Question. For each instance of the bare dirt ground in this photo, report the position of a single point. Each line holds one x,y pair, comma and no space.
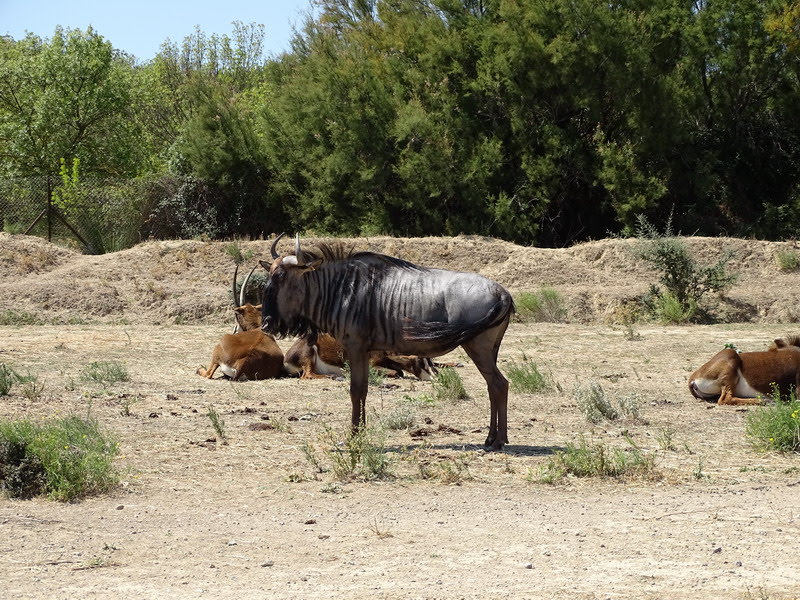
254,518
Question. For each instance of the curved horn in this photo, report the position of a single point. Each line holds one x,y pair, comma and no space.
235,273
274,245
297,252
244,285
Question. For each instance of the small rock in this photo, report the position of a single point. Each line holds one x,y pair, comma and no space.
717,550
171,397
269,563
233,543
153,415
323,536
120,507
528,565
310,522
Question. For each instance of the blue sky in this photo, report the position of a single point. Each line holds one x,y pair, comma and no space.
140,26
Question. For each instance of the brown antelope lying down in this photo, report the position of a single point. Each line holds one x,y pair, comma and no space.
325,357
248,353
748,377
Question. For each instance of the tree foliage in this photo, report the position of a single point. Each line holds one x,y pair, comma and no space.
538,121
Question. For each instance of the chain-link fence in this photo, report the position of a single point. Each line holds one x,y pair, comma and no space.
105,215
34,206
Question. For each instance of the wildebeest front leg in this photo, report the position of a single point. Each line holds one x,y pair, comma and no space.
359,381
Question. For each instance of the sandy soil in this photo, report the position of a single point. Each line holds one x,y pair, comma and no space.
255,518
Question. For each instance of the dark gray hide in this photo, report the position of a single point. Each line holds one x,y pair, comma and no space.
371,301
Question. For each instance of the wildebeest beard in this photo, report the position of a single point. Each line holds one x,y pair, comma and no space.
278,325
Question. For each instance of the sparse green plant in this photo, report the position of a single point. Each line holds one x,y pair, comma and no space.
331,488
19,318
525,377
374,376
65,458
546,305
235,251
684,281
401,417
7,379
448,386
669,310
666,438
596,405
105,372
697,472
310,452
597,460
362,455
126,403
787,260
30,386
217,422
423,399
775,426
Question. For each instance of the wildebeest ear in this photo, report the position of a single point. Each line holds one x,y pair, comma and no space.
312,266
265,264
779,343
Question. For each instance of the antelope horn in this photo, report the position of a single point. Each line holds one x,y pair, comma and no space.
297,252
274,245
235,273
244,285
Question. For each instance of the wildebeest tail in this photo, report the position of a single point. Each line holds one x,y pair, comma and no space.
454,334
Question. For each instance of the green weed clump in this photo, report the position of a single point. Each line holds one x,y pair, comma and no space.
7,379
218,423
683,281
363,455
597,460
597,406
65,459
775,426
787,260
546,305
402,417
19,318
448,386
525,377
105,372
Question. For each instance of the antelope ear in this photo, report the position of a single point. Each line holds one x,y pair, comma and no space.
238,310
257,307
779,343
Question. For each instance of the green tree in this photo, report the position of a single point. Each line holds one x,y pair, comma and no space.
66,97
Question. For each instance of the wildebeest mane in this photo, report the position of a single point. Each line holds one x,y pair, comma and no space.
340,252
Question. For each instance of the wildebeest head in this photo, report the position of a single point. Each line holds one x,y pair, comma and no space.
285,292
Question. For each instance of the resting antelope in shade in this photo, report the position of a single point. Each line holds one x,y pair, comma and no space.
371,302
323,356
748,377
248,353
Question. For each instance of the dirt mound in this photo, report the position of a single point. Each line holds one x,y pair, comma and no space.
188,281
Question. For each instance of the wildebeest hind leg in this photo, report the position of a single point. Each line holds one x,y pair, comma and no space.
483,352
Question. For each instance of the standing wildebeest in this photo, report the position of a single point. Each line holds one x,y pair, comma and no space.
372,302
